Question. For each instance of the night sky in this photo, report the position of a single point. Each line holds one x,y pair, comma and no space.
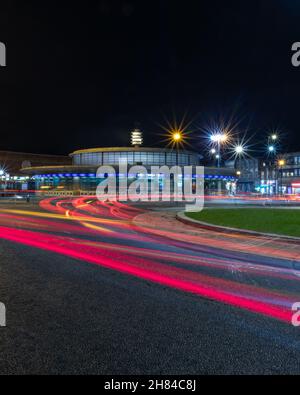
80,74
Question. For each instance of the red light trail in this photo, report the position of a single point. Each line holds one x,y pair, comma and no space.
106,234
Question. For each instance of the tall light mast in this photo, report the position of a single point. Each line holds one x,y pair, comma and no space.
137,138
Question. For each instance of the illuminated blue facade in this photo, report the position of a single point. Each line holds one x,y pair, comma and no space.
81,175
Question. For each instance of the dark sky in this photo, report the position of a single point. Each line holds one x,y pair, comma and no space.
81,73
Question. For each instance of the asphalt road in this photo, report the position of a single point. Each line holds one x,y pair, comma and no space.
119,306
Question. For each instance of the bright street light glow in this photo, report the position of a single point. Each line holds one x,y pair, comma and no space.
281,163
219,138
177,133
177,136
239,149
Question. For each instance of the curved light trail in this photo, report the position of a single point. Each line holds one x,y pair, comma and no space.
234,270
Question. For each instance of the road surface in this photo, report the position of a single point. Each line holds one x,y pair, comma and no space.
93,288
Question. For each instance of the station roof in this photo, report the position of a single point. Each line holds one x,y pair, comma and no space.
131,149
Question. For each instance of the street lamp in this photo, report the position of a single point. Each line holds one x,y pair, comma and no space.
239,150
281,164
177,137
219,139
271,166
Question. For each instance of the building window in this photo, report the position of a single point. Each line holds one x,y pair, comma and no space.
137,157
171,159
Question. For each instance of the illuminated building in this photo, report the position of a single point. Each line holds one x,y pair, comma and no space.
247,170
288,168
80,177
12,163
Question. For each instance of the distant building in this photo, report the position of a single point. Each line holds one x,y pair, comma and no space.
282,175
12,163
247,171
289,173
268,177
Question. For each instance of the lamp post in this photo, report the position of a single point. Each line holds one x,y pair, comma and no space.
281,164
239,150
219,139
272,151
177,139
270,169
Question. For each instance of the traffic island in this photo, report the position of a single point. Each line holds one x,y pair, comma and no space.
278,223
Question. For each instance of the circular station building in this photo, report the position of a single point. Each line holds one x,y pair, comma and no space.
81,176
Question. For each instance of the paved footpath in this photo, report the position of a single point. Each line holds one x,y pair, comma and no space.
166,224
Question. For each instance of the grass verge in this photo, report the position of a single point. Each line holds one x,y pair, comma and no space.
277,221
